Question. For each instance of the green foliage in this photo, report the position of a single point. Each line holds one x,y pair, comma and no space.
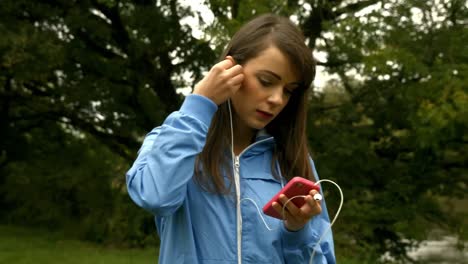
81,82
231,15
70,184
395,139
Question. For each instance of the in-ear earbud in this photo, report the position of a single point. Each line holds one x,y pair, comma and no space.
317,197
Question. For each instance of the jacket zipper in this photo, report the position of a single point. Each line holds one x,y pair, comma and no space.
238,199
238,209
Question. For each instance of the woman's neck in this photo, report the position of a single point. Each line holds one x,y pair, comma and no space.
243,137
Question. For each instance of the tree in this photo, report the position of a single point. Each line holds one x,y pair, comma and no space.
390,126
105,68
83,81
102,73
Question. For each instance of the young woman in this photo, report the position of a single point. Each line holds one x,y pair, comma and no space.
230,148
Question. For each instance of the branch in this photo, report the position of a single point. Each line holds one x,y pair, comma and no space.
121,145
327,108
235,9
33,87
117,143
335,63
355,7
90,43
163,85
313,25
119,33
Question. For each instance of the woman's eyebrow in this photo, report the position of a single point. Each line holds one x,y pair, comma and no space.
271,73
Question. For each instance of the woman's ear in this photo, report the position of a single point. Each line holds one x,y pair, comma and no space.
239,59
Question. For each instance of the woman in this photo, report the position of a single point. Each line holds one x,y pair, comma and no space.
230,148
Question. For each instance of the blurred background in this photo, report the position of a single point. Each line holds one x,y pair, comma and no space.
82,82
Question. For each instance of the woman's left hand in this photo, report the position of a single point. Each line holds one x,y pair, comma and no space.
296,218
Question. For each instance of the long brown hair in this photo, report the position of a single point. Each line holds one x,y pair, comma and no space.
288,128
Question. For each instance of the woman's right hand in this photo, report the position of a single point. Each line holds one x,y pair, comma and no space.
221,82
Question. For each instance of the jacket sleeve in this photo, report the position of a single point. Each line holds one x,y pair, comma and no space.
298,246
157,180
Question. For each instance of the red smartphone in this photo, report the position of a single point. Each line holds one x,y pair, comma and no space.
296,186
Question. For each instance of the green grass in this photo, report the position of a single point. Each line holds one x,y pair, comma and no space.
20,245
26,246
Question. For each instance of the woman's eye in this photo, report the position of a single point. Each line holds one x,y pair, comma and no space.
264,81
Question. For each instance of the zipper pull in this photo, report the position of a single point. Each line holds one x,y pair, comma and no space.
236,162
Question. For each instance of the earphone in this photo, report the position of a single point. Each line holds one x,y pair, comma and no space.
316,197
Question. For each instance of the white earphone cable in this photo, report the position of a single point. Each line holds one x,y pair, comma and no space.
237,183
238,195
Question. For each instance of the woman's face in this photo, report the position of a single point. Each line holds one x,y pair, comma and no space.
269,80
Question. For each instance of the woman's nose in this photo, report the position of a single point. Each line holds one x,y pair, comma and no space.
277,96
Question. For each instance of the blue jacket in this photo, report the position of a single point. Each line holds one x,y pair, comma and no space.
198,227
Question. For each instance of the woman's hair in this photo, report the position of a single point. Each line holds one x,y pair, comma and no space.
288,128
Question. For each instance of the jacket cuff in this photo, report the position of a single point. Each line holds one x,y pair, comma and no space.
298,238
199,107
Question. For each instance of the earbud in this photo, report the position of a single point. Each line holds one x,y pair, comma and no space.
317,197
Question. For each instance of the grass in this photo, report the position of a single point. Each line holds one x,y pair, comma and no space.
26,246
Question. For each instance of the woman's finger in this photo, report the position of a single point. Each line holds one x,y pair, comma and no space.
292,208
237,79
310,208
233,71
279,209
225,64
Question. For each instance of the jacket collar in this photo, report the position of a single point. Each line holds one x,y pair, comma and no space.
263,142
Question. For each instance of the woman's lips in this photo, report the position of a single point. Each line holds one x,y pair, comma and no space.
264,115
